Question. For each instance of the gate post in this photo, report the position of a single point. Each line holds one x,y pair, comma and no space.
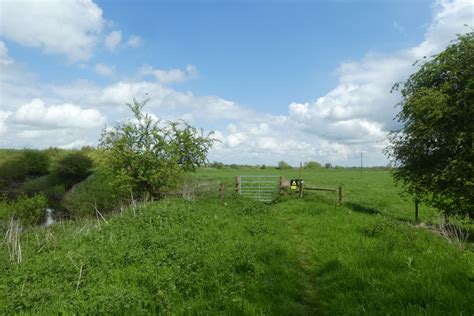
237,184
282,180
301,188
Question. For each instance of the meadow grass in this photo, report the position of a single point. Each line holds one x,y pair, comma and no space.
235,256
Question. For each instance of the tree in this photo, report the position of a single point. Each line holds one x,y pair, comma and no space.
312,165
283,165
147,155
433,151
327,165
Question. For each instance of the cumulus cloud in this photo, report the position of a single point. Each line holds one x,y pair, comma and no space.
134,41
105,70
68,27
170,75
113,39
37,114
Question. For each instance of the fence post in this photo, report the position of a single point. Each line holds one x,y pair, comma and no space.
301,188
416,212
341,196
237,184
282,180
221,190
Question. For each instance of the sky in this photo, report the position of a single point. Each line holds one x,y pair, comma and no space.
274,80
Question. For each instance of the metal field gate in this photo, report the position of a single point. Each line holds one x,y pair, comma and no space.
259,188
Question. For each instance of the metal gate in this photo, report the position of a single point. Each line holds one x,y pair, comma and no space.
259,188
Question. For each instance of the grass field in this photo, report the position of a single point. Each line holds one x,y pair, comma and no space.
235,256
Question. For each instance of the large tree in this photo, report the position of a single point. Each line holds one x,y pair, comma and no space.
148,155
433,151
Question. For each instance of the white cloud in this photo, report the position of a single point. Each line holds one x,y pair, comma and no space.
113,39
134,41
68,27
170,75
4,58
105,70
37,114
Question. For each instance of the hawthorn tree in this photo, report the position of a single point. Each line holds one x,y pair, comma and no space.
148,156
433,151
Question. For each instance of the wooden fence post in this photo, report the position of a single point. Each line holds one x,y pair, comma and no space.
416,211
221,190
341,196
282,180
301,188
237,184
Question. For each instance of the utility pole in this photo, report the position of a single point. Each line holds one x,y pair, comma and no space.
361,154
301,166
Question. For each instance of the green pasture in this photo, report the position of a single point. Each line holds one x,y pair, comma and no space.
304,256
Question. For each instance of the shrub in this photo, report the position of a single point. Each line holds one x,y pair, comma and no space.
28,210
97,191
28,164
72,169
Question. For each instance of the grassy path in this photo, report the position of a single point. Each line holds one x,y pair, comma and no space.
295,257
305,260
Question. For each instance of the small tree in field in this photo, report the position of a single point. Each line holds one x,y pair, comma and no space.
148,156
433,152
283,165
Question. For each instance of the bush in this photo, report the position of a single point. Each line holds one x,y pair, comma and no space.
28,210
328,165
28,164
72,169
45,185
97,191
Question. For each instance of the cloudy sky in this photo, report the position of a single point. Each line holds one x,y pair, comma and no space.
276,80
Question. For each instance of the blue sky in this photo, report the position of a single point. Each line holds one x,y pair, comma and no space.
249,70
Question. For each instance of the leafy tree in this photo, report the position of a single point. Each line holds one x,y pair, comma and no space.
433,151
312,165
148,155
327,165
283,165
72,169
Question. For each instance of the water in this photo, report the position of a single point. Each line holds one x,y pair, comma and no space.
49,217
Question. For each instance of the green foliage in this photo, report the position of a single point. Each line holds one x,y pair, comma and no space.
27,164
282,165
263,166
312,165
217,165
29,210
97,192
45,185
150,156
72,169
433,151
327,165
